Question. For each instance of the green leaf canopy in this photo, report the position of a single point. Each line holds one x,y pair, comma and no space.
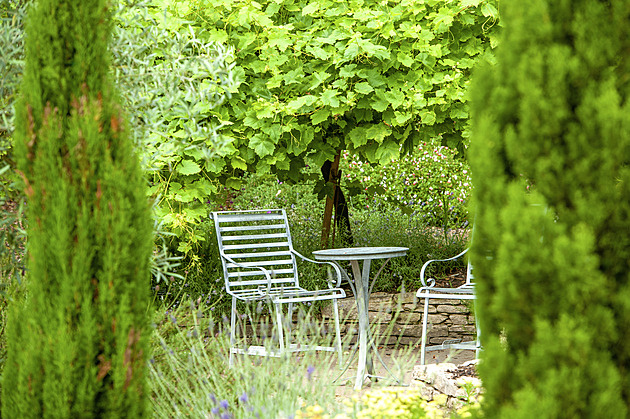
316,76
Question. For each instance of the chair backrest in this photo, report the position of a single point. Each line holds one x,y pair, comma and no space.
470,278
250,240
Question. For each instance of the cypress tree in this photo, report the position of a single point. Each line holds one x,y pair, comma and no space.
78,346
550,159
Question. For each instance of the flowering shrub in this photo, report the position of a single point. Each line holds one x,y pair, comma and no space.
431,181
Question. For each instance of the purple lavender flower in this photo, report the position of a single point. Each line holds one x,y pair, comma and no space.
309,371
243,397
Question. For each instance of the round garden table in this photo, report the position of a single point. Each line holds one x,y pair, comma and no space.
361,289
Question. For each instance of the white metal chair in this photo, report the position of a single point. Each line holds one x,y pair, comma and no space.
429,291
259,264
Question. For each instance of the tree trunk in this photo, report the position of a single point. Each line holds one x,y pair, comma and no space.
331,173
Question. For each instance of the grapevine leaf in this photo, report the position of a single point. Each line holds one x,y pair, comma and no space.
379,102
320,116
329,98
261,145
401,118
351,52
363,88
387,152
215,165
488,10
188,167
233,183
427,116
358,137
348,71
378,132
318,53
395,98
405,59
239,163
310,8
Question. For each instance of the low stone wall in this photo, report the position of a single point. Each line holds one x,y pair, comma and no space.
397,320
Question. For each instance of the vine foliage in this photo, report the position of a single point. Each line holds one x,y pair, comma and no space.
317,76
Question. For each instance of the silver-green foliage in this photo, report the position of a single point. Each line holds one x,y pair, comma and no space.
11,63
172,79
190,375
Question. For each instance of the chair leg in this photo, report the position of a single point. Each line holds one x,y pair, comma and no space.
425,316
289,322
232,331
279,325
337,332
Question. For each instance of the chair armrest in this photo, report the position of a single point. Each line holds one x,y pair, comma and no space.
264,271
334,265
431,281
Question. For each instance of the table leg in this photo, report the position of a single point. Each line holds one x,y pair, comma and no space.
365,283
361,278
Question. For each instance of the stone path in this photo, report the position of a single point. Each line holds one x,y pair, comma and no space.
402,362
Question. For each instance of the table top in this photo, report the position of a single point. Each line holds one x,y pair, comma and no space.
360,253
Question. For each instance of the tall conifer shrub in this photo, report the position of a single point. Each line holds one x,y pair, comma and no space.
78,346
550,159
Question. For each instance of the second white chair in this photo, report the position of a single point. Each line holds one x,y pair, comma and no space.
429,291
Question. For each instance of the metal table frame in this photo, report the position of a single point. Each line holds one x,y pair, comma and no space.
361,289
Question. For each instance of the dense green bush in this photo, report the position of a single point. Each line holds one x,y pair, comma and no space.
78,344
432,182
550,158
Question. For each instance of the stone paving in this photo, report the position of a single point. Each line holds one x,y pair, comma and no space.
403,363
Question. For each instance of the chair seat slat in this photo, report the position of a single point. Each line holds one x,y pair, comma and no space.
290,294
258,282
245,217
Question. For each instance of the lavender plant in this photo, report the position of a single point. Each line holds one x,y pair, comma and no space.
190,375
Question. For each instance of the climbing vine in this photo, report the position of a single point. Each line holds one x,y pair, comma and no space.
316,76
